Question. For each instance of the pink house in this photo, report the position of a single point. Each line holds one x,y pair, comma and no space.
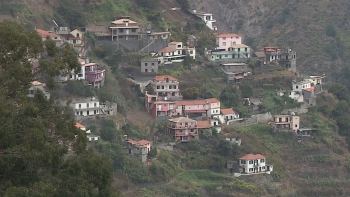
95,74
192,107
183,129
225,41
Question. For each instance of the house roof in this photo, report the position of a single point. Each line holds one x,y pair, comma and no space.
252,157
140,143
175,43
260,54
80,126
123,21
227,111
164,77
45,34
203,124
191,102
213,100
36,83
227,35
166,50
239,46
311,89
181,119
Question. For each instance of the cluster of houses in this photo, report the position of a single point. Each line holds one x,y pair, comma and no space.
167,103
305,89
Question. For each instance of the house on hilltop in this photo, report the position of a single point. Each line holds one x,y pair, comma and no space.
175,52
254,164
207,18
227,40
183,129
285,123
138,149
38,86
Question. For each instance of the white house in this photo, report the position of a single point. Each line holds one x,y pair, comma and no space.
228,114
207,18
225,41
175,52
317,80
298,96
92,137
35,86
253,164
86,107
214,107
299,86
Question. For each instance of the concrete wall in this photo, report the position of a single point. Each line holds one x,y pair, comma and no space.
136,45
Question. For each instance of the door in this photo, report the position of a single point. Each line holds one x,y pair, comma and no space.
243,170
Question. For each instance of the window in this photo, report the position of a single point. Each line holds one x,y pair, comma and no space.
191,52
243,162
158,87
262,160
226,55
94,111
133,30
87,105
74,41
296,125
239,49
87,112
179,46
224,38
297,87
192,130
224,44
146,64
246,49
250,162
162,87
178,53
95,104
250,169
79,105
184,138
152,64
121,30
186,124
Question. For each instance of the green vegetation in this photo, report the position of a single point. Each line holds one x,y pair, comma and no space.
35,135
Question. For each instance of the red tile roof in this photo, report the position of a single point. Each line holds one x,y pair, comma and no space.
44,33
203,124
311,89
227,111
164,77
191,102
252,157
80,126
166,50
140,143
213,100
227,35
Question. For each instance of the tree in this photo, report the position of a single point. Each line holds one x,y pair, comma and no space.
252,65
34,134
190,93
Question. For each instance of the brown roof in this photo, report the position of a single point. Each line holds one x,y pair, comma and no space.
213,100
164,77
191,102
123,21
80,126
140,143
260,54
203,124
227,111
227,35
311,89
166,50
252,157
181,119
45,34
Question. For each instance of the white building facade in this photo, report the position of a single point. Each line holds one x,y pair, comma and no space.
254,164
86,107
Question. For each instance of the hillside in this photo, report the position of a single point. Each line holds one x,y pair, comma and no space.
315,166
316,29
